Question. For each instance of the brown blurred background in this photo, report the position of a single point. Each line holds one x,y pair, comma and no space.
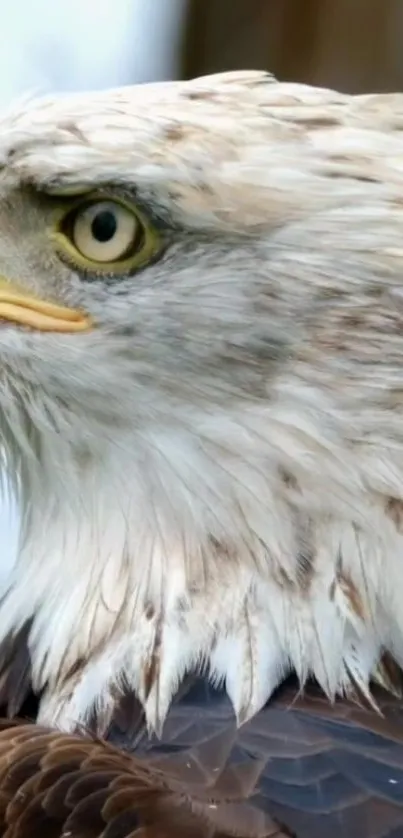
351,45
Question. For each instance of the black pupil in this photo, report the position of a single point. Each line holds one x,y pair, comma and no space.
104,226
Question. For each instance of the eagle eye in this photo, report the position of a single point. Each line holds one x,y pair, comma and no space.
99,234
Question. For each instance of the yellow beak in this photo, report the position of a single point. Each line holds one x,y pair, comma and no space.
27,310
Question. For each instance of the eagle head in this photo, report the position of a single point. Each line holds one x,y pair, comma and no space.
201,391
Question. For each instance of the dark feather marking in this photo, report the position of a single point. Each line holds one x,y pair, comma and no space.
389,675
152,669
306,553
394,510
76,668
15,669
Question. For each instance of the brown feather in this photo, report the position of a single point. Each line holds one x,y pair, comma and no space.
301,768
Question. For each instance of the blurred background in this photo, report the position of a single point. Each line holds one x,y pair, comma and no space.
353,45
61,45
52,45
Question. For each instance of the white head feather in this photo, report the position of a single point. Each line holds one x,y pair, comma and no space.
214,474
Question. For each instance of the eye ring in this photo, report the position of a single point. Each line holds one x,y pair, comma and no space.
104,235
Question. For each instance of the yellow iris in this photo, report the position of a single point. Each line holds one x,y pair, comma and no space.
105,236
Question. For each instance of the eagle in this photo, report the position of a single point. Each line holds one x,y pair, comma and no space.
201,394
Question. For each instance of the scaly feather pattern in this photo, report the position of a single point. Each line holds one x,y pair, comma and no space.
299,769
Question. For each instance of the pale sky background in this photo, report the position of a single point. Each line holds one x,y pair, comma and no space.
57,45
